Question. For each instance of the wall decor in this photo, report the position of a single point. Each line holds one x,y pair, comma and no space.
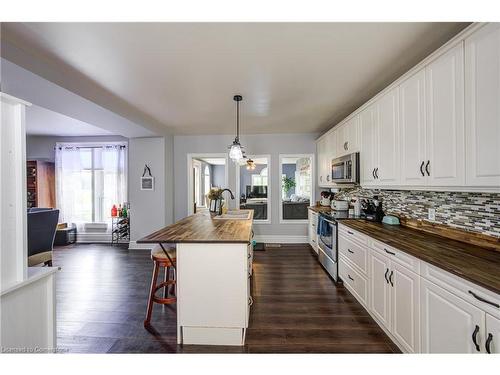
147,182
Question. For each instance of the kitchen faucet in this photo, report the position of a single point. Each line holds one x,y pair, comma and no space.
232,197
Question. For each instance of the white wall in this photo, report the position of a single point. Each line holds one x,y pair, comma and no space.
42,147
273,144
150,210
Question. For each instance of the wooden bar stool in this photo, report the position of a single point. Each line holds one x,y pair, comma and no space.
160,259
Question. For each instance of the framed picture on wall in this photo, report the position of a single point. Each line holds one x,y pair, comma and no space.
147,183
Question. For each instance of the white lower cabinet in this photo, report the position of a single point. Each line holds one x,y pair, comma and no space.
312,230
449,324
380,293
405,306
492,337
423,308
394,300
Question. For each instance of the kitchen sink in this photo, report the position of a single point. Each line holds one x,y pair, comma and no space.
234,215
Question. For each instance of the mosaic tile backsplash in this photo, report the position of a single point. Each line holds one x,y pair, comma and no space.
476,212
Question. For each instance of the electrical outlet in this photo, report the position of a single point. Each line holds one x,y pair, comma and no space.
432,214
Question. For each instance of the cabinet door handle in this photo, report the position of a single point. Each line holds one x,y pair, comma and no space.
376,172
328,178
321,178
487,346
474,337
349,276
389,252
421,168
390,278
484,300
373,173
250,301
385,276
349,250
427,167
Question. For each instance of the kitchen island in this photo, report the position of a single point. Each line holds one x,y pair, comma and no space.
213,270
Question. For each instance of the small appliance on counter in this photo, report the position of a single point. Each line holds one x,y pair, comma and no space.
325,198
390,220
372,209
340,205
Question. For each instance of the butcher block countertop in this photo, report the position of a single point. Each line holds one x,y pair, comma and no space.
474,263
202,227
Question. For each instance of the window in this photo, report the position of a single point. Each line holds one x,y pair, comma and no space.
296,187
254,188
90,179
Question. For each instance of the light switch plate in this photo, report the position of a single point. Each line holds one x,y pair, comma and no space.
432,214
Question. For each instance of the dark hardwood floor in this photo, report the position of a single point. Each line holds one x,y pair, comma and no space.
102,293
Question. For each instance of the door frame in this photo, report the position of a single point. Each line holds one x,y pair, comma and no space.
190,181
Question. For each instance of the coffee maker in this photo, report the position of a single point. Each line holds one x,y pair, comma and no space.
371,209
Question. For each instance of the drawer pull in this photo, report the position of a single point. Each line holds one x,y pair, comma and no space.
484,300
385,276
349,276
389,252
349,232
250,301
349,250
487,346
474,337
390,278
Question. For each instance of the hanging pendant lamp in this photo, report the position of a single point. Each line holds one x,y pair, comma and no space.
235,149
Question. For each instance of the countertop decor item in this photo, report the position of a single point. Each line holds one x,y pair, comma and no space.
391,220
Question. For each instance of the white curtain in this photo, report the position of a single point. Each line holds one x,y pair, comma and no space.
70,182
114,164
89,180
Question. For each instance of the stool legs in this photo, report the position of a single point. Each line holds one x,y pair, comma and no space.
156,267
166,284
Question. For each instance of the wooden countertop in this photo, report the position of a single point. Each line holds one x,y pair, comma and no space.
200,228
474,263
318,209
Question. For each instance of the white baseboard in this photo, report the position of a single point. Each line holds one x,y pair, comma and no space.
277,238
133,245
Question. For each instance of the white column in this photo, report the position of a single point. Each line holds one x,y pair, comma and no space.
13,239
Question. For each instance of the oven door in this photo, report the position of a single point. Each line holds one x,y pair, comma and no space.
327,238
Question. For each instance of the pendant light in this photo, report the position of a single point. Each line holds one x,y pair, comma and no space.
235,149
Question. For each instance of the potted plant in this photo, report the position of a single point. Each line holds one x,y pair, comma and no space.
288,184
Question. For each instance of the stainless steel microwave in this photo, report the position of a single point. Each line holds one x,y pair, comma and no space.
345,170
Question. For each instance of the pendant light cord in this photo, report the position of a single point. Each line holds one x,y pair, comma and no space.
238,121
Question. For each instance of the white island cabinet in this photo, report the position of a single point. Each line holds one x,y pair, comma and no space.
213,289
214,256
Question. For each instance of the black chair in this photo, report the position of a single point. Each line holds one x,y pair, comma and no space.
42,225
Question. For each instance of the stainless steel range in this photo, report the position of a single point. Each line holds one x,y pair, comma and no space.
327,241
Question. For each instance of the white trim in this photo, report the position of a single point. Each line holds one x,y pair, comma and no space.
12,99
311,199
133,245
189,163
269,184
280,238
433,56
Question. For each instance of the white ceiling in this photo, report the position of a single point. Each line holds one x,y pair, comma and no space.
41,121
294,77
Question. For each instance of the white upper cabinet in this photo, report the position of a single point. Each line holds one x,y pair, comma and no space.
482,106
321,162
347,137
445,164
412,129
369,144
387,170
